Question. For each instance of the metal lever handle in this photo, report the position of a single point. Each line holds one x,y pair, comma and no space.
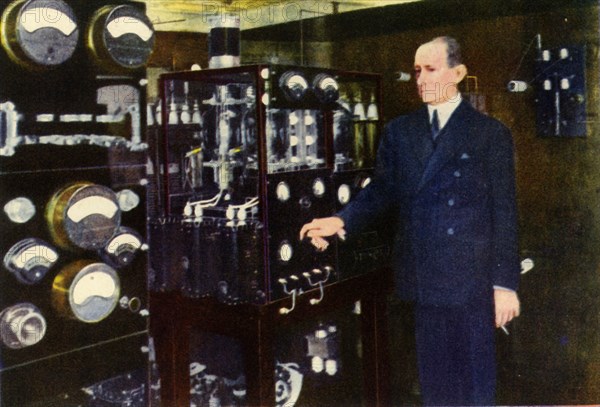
284,310
315,301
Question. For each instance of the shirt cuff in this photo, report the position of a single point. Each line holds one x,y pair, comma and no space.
498,287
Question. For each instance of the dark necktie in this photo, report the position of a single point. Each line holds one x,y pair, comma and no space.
435,126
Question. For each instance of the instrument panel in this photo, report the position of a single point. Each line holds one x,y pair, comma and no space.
266,148
73,154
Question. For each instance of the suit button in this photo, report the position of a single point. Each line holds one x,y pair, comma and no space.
457,174
450,231
450,202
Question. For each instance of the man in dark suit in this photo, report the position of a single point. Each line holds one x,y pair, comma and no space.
445,175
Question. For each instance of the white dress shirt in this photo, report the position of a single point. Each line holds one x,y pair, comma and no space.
444,110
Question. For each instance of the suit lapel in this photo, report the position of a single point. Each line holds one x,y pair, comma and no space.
450,139
421,137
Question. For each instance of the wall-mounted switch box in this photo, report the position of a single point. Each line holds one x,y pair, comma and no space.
560,92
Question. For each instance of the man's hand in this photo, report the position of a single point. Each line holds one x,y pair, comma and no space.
507,306
323,227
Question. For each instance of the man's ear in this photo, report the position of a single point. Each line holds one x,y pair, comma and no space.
461,72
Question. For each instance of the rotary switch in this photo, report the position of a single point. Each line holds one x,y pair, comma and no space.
22,325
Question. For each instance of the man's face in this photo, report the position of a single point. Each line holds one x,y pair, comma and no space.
436,81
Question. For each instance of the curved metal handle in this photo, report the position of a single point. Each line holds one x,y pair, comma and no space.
284,310
315,301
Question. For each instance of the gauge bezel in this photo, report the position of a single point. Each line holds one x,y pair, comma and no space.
13,36
102,44
65,283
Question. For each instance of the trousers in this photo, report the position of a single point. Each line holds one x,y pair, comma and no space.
456,354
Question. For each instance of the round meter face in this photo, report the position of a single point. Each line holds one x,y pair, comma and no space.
86,291
294,85
39,33
285,251
318,187
83,215
283,191
326,88
122,248
344,194
94,293
127,36
30,260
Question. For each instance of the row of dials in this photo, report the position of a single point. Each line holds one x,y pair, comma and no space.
295,86
81,217
344,192
40,34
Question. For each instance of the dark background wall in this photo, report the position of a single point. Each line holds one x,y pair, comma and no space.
552,355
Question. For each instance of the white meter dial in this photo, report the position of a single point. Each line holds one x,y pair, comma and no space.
364,182
283,191
318,187
86,291
344,194
285,251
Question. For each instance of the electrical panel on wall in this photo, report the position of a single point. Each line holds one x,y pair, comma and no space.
250,154
73,278
560,92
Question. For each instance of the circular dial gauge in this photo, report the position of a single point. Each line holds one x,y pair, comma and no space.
318,187
30,259
122,248
326,88
83,215
121,37
294,85
283,191
344,193
285,251
86,291
39,33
